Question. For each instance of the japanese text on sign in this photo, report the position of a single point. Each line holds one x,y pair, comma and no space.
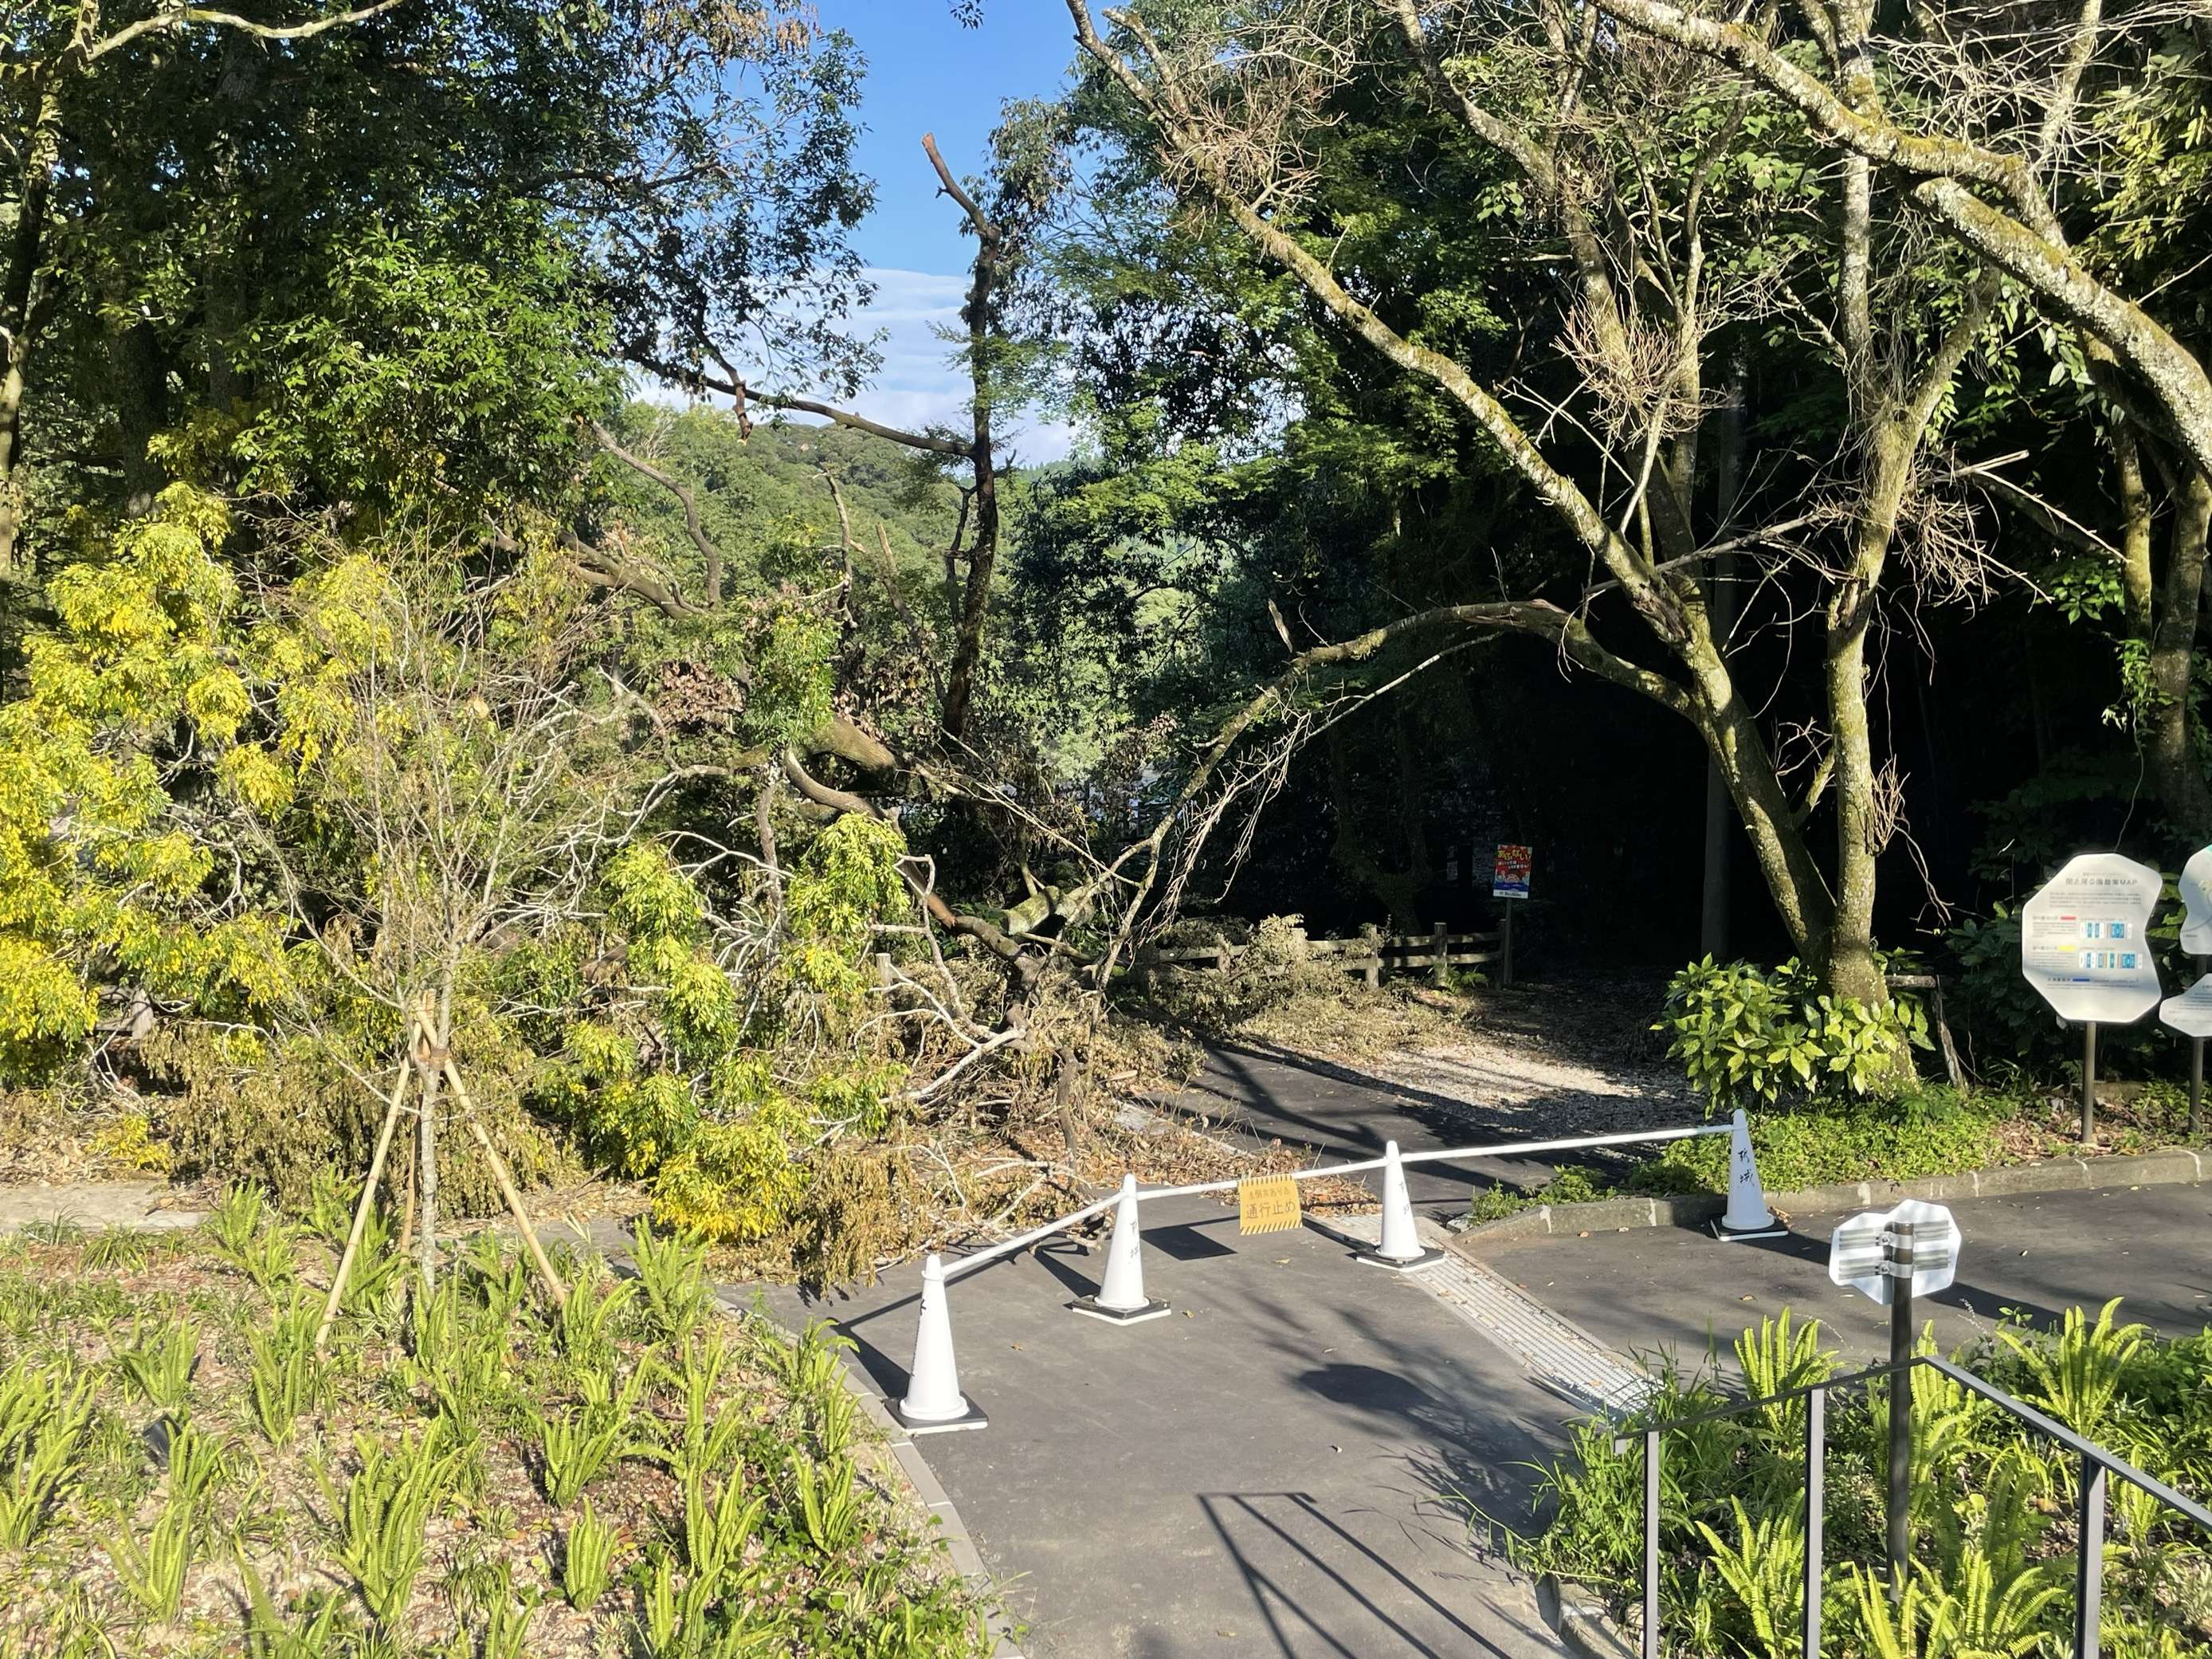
1267,1204
2082,942
1510,876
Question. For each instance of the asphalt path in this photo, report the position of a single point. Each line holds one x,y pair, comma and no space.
1262,1092
1283,1467
1673,1290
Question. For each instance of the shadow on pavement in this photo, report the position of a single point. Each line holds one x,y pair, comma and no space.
1279,1539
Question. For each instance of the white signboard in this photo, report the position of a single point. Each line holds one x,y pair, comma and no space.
2191,1013
2197,894
2083,941
1864,1254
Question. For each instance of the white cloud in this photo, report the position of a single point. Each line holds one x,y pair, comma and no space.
921,382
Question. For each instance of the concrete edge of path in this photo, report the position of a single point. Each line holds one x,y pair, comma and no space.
906,1458
2174,1166
1581,1625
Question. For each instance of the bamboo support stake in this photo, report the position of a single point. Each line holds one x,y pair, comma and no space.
554,1287
367,1190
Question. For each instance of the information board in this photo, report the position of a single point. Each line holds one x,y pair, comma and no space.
1509,877
2197,894
2083,942
2189,1013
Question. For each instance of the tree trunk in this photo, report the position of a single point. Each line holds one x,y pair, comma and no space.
2176,770
18,297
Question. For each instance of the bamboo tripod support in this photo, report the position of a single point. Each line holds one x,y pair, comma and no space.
392,1113
431,1063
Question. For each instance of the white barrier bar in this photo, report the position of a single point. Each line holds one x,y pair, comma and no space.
1509,1149
984,1258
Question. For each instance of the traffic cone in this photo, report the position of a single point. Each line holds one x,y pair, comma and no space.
934,1402
1122,1298
1401,1247
1747,1215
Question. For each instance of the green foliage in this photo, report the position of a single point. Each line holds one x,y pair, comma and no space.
672,1278
587,1557
1745,1035
96,879
1569,1184
1932,1131
848,882
773,1543
1994,1548
577,1447
43,1423
381,1538
160,1364
2083,1378
287,1373
153,1569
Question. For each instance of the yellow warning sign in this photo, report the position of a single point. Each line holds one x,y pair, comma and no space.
1267,1204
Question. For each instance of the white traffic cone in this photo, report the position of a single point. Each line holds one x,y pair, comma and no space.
1401,1247
1121,1297
1747,1215
933,1402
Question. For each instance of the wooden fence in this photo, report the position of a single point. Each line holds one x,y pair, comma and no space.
1369,956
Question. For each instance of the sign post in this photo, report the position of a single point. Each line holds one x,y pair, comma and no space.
2083,947
2196,940
1509,880
1890,1256
2190,1014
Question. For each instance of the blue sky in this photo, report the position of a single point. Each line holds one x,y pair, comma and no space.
927,74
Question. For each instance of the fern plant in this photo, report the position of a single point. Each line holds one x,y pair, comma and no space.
672,1275
810,1371
152,1569
315,1634
1764,1571
587,1557
159,1367
382,1539
587,1320
717,1521
286,1373
252,1239
42,1427
2081,1378
832,1507
1779,1356
576,1447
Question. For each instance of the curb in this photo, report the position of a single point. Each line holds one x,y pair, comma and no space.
1582,1625
951,1532
2174,1166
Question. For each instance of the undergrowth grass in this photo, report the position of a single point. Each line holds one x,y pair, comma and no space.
468,1474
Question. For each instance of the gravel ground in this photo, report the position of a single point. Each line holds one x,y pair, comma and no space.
1571,1057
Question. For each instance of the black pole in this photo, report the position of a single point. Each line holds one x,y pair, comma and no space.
2089,1565
1652,1544
2196,1088
1899,1266
1506,940
2088,1081
1816,1488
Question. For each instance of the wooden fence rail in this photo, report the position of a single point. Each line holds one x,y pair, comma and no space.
1368,956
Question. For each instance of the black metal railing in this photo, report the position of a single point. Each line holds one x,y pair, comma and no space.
2097,1461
